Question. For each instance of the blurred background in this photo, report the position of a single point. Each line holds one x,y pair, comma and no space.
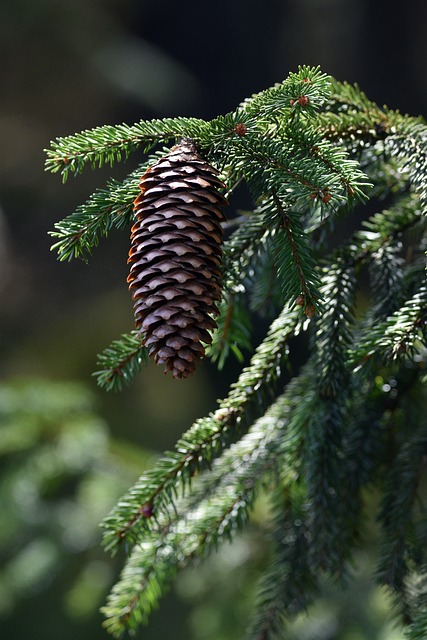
67,449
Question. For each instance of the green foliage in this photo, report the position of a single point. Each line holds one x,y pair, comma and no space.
107,145
60,472
234,330
319,427
107,208
217,507
120,362
418,629
196,449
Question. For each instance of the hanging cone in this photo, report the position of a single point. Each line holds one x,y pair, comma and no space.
175,257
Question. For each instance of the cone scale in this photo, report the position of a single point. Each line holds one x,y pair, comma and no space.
175,258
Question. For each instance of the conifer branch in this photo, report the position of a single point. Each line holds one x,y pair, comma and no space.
215,509
356,130
110,144
333,496
264,288
334,328
244,243
290,256
308,83
387,227
386,274
234,329
409,144
401,335
154,563
347,97
289,584
309,150
399,545
176,467
112,207
417,630
304,164
204,440
121,361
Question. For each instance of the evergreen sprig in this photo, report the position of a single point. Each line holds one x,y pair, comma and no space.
311,150
402,548
193,530
308,83
418,629
79,232
294,260
204,440
409,144
290,584
120,362
234,329
403,333
110,144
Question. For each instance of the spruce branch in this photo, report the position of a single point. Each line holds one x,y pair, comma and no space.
350,117
289,584
234,329
154,563
112,207
295,263
212,433
110,144
276,436
409,144
217,507
334,328
402,334
309,149
332,492
333,497
302,165
301,94
387,226
399,544
121,361
386,275
180,467
417,630
244,244
349,97
204,440
264,289
356,130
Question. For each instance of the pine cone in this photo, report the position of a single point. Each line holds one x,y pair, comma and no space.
175,256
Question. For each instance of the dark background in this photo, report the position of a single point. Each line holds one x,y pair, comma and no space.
72,65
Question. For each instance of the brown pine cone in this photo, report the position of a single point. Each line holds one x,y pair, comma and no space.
175,257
